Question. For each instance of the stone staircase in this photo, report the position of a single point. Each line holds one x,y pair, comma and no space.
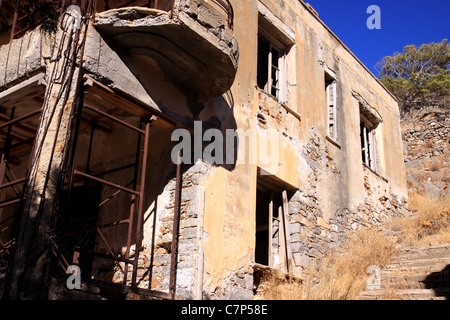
417,273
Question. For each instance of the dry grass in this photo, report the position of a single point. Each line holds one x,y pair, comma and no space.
341,276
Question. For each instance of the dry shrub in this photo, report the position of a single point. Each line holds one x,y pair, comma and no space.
278,287
434,166
430,224
338,276
430,144
424,204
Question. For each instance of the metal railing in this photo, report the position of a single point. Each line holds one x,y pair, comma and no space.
7,225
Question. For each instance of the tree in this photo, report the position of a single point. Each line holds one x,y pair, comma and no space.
418,76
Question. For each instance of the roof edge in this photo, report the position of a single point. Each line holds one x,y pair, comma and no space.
311,10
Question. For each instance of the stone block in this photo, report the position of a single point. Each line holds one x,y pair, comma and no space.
189,194
295,228
298,247
189,233
322,223
294,207
303,221
302,260
188,223
209,17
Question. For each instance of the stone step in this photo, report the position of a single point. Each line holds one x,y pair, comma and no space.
413,257
443,252
437,246
407,294
423,277
410,270
413,252
417,273
412,283
435,261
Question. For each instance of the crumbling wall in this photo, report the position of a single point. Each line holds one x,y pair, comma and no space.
333,192
427,152
313,232
155,256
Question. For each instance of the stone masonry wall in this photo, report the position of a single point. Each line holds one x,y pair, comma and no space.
312,235
427,152
188,246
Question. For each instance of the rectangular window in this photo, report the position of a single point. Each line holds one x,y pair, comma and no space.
331,99
267,208
367,135
271,73
272,246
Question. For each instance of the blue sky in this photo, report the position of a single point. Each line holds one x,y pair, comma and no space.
403,22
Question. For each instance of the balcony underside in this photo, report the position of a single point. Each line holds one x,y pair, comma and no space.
187,53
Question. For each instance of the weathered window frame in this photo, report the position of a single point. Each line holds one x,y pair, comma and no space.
368,143
279,251
282,39
331,106
275,72
370,119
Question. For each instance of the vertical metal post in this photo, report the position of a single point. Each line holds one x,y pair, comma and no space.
8,143
13,28
2,169
6,149
130,230
140,217
132,208
75,140
176,220
91,139
172,9
63,4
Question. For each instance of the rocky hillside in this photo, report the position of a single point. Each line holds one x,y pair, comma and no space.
426,137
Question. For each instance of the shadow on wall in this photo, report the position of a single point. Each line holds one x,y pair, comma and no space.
76,225
214,113
185,106
439,282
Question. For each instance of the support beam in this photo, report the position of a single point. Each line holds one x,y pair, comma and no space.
29,278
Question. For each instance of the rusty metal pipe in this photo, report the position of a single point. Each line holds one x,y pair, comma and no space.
9,203
132,207
19,119
13,27
106,115
130,230
79,173
12,183
140,216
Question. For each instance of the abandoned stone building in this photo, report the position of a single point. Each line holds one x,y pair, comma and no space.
92,114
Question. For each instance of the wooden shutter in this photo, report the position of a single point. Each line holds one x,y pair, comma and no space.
331,107
286,233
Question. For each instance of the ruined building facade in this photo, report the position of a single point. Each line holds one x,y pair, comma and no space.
92,115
